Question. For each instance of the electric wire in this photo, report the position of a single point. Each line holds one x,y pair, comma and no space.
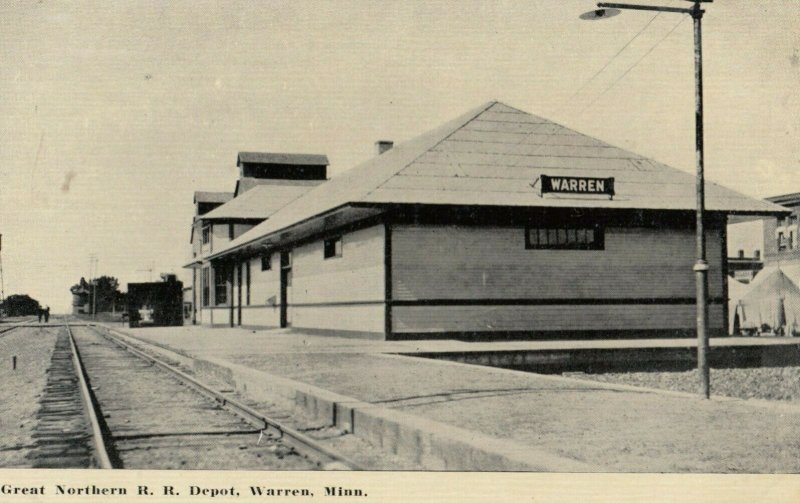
630,68
614,57
608,63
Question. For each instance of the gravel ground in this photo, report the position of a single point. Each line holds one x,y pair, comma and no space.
19,395
767,383
621,431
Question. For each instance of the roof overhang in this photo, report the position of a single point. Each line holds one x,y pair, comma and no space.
337,218
194,264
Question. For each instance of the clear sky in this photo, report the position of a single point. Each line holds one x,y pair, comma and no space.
114,112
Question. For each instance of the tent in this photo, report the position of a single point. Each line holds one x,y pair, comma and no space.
771,302
736,290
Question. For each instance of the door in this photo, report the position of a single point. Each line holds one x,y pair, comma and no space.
286,288
229,292
239,294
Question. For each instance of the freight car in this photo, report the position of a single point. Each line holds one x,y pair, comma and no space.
156,304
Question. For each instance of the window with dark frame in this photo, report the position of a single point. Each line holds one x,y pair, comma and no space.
230,232
205,286
266,262
565,238
333,247
206,234
220,286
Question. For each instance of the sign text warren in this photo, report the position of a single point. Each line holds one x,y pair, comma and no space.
577,185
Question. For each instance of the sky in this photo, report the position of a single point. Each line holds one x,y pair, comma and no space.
114,112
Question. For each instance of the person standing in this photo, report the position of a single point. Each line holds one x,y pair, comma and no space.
47,314
40,311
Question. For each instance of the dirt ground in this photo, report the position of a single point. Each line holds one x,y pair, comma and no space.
620,431
19,395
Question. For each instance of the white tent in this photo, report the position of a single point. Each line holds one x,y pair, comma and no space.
772,300
736,290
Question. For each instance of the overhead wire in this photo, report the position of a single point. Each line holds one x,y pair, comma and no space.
630,68
614,57
583,86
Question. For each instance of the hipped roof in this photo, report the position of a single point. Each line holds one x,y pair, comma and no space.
491,156
212,197
259,202
277,158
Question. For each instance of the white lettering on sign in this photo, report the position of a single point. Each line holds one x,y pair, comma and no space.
579,185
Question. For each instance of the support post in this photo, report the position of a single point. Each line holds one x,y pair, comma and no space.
701,267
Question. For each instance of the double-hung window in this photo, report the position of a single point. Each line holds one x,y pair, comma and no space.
578,237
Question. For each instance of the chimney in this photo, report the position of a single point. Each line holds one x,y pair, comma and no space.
382,146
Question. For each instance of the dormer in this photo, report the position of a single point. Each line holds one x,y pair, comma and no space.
256,168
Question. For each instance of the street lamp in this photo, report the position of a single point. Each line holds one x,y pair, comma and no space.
701,265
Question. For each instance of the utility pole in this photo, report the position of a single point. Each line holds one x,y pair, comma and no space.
701,264
92,273
2,285
148,271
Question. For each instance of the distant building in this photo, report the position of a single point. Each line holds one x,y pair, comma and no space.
758,242
770,302
781,244
81,297
497,224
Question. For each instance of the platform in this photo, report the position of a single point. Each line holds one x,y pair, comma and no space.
594,425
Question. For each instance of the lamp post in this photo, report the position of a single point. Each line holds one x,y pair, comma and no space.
700,268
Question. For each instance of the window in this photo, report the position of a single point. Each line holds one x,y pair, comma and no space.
781,242
205,285
790,243
206,234
333,247
220,286
230,232
565,238
266,262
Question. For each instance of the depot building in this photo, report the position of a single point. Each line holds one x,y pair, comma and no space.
498,224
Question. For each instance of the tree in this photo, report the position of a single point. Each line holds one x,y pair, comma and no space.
20,305
106,289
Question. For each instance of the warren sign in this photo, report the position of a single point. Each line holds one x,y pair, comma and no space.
577,185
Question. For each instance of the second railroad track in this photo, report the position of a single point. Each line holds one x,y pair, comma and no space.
149,414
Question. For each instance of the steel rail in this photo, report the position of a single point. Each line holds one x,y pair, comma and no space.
91,406
5,330
304,444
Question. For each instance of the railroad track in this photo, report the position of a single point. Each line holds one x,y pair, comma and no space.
115,406
5,330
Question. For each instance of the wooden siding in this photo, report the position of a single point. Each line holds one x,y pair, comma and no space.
431,319
219,236
473,263
264,309
355,278
214,316
239,229
344,318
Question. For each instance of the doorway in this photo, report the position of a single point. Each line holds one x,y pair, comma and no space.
286,288
239,294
